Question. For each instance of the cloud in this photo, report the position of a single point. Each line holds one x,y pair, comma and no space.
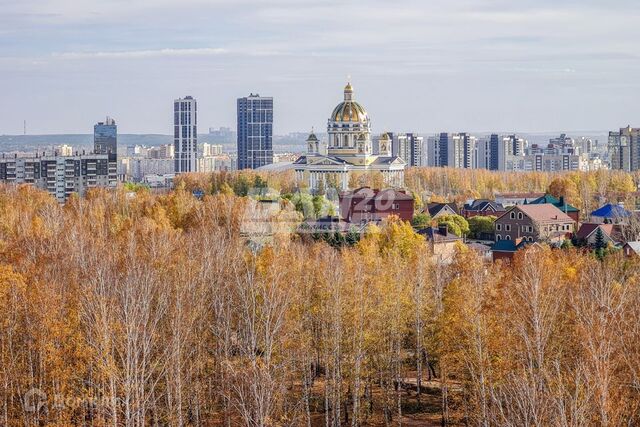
148,53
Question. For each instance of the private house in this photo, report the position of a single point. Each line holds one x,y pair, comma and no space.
328,224
611,234
531,223
436,210
482,207
560,203
504,250
512,199
442,243
614,214
367,205
631,249
482,250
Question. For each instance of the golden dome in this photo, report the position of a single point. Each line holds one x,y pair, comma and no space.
349,110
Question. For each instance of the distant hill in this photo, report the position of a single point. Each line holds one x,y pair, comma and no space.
32,143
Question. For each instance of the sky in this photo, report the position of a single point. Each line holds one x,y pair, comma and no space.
416,65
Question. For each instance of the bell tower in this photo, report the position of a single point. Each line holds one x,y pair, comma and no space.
384,145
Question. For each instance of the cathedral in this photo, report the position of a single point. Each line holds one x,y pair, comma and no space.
349,151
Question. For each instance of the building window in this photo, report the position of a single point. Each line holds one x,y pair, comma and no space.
498,237
513,215
499,227
520,215
507,227
395,206
507,237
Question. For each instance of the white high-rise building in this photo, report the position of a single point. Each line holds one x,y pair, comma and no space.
185,134
411,149
454,150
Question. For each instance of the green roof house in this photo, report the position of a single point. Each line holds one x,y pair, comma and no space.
560,203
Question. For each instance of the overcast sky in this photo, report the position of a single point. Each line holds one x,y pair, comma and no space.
421,65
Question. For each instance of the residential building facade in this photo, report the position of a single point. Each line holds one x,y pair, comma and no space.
255,131
105,138
532,223
185,134
61,176
369,205
624,149
411,149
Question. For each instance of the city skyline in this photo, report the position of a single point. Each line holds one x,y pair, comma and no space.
490,64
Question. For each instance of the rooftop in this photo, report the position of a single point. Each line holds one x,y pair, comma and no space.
543,213
611,211
558,203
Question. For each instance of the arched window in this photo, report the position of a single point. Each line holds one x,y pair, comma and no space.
507,237
498,237
520,215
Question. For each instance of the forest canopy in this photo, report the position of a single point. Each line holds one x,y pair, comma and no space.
133,308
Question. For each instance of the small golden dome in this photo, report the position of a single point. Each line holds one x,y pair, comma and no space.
312,136
348,87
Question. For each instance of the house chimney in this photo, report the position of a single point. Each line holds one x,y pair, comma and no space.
443,229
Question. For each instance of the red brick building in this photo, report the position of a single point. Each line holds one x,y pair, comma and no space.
368,205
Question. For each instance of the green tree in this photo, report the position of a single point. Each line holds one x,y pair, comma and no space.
480,224
457,224
600,244
421,220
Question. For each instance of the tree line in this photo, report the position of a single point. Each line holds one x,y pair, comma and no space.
136,309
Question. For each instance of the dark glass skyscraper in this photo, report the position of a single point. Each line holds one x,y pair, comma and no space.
105,138
494,149
255,131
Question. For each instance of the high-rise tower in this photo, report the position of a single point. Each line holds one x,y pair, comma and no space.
255,131
185,134
105,138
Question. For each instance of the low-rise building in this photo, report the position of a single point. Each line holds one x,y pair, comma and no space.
442,243
368,205
588,234
436,210
532,223
504,250
560,203
482,207
631,249
512,199
610,213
